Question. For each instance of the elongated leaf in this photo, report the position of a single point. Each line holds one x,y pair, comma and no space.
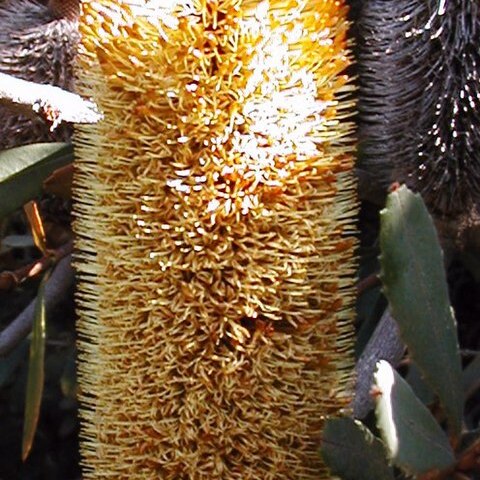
415,441
415,284
36,372
422,391
352,452
18,241
60,182
23,170
36,226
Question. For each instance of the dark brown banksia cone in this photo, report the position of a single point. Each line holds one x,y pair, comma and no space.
419,63
214,211
37,43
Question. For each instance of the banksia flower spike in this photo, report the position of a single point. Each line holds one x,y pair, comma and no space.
37,43
419,65
214,217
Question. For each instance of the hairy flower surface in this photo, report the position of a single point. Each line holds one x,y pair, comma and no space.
214,215
419,65
38,45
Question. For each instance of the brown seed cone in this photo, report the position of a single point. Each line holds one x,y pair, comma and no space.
214,217
35,46
419,74
65,8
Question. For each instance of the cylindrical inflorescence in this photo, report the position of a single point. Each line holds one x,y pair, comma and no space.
214,211
419,104
38,45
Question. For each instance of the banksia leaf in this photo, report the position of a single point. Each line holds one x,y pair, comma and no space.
214,217
23,170
36,226
416,287
352,452
414,439
59,183
420,97
36,371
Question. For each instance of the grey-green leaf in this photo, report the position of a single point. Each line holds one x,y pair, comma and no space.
352,452
36,373
415,441
18,241
24,169
415,285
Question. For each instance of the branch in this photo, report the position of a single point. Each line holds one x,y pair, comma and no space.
52,104
384,344
11,279
367,283
55,291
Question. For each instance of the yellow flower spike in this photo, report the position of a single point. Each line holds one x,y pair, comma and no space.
214,216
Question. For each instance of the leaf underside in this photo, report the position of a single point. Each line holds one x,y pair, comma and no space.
415,441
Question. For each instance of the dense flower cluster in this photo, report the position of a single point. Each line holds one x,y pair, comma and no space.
214,215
